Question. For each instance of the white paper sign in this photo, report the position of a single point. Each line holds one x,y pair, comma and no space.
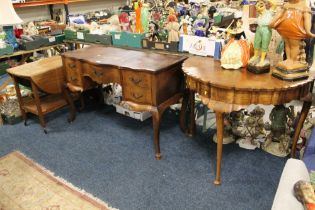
117,36
198,45
52,39
80,35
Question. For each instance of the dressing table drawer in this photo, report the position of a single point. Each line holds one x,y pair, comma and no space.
72,72
136,79
137,95
101,74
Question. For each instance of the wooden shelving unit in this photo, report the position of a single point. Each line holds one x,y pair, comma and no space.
44,2
49,3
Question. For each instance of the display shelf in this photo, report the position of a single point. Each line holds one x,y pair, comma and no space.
23,52
48,104
45,2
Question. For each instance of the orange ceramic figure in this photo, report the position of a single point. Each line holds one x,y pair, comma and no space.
137,8
294,24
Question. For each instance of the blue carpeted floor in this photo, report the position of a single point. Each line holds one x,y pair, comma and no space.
112,157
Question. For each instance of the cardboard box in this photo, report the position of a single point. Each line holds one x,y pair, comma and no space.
127,39
173,46
38,42
133,114
75,35
8,50
99,39
57,39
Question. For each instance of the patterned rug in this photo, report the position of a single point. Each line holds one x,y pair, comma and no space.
24,185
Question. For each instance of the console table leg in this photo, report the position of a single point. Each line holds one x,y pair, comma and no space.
192,123
156,117
305,109
183,111
219,122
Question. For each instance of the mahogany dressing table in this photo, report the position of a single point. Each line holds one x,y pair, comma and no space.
150,81
231,90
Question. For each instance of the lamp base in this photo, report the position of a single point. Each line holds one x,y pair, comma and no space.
10,36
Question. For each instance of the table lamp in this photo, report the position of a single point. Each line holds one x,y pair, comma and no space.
8,18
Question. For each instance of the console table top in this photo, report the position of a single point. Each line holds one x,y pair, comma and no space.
209,71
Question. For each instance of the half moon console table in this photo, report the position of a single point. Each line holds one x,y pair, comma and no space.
231,90
150,81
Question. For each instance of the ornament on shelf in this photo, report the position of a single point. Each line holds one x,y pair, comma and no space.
235,54
281,130
172,27
124,21
199,26
145,17
259,63
138,25
185,25
293,23
249,129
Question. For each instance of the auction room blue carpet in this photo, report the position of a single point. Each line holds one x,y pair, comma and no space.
112,157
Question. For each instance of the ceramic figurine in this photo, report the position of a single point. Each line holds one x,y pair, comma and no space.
185,26
235,54
170,4
145,17
114,23
2,40
251,130
94,28
31,29
182,10
137,8
293,23
259,63
211,12
237,119
173,29
199,26
124,21
153,31
195,9
278,141
132,22
156,16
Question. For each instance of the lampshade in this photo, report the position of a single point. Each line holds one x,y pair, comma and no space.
8,15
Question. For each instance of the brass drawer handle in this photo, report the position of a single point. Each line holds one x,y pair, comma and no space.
137,96
73,79
72,65
97,73
135,81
